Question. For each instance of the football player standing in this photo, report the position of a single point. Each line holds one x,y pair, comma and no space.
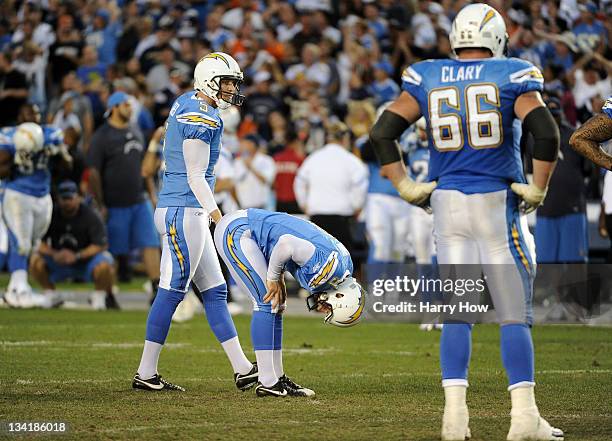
191,149
476,189
26,180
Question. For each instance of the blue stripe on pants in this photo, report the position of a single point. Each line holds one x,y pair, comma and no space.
178,248
233,250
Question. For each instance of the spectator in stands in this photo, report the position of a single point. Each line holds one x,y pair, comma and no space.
158,77
65,52
74,248
254,174
42,33
91,69
383,88
104,32
331,185
81,106
115,158
13,91
33,64
288,161
148,48
261,102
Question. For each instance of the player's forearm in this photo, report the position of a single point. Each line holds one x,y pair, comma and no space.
395,172
542,171
587,138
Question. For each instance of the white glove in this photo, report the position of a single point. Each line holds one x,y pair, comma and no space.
531,195
416,193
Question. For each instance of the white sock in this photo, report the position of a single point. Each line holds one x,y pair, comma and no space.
19,280
233,350
523,398
265,365
150,357
454,396
278,362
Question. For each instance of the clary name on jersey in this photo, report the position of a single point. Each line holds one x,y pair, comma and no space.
452,74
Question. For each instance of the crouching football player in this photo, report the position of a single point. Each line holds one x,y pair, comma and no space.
258,246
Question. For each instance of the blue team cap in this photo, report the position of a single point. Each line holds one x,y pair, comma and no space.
114,100
103,13
67,189
385,66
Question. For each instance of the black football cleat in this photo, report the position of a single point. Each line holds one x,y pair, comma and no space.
278,390
294,389
156,383
247,381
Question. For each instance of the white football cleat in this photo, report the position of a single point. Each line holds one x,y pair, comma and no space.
97,299
528,425
455,424
12,298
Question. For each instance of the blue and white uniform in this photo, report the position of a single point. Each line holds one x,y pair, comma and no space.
475,156
259,245
191,149
26,203
187,248
387,216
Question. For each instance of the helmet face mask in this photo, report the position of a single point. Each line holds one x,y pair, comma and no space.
344,304
234,97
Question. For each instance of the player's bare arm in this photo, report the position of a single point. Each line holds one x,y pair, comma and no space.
587,138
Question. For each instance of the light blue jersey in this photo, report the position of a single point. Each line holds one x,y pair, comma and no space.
329,264
32,177
469,107
190,118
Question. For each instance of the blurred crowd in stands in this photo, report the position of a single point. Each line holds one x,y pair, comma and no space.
308,65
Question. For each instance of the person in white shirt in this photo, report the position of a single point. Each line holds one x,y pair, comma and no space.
254,174
331,185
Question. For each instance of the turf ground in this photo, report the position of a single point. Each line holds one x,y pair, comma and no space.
375,381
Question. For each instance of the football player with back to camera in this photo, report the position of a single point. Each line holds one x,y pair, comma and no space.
186,201
258,246
476,186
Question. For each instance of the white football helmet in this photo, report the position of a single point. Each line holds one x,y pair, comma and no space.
28,138
346,303
479,26
208,74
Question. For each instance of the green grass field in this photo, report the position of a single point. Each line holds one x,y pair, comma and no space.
373,382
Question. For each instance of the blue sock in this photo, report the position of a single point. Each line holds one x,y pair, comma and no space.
517,353
455,350
160,314
278,331
217,314
263,330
